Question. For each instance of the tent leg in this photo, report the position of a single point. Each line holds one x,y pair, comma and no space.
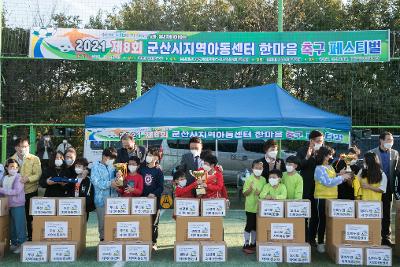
138,80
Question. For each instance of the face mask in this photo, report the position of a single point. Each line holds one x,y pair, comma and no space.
65,142
110,162
388,145
149,159
207,168
78,170
317,147
58,162
182,183
257,172
47,139
289,168
12,172
195,152
273,181
132,168
24,151
272,154
365,166
353,162
69,162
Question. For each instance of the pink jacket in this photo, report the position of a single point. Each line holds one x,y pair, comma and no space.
16,196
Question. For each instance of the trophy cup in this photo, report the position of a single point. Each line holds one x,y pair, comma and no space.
199,175
348,158
123,168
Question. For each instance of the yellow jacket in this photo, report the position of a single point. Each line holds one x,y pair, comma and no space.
31,168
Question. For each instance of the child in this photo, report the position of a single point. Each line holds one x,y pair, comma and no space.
133,182
153,179
11,187
326,183
84,187
215,181
373,180
251,190
182,189
274,189
292,179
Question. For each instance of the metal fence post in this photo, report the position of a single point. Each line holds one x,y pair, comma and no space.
3,143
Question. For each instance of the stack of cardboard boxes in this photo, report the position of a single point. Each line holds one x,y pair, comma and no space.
4,226
200,238
59,230
353,233
127,230
281,231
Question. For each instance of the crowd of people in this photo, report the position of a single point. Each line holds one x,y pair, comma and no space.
311,174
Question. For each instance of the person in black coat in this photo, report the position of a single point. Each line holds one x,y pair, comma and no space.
270,160
84,187
57,168
130,149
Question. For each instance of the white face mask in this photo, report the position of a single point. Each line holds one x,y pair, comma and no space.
317,146
65,142
365,166
58,162
47,139
257,172
289,168
24,151
182,183
132,168
273,181
12,172
353,162
110,162
149,159
69,162
78,170
195,152
388,145
272,154
207,168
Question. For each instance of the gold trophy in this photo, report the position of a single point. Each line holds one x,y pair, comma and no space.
348,158
200,175
123,168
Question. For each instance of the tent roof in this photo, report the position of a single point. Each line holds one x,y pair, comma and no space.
267,105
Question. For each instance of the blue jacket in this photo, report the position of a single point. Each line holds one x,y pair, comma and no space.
101,177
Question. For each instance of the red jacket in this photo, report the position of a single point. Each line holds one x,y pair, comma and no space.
185,191
215,185
132,180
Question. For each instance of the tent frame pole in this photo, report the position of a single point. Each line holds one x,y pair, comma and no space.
280,29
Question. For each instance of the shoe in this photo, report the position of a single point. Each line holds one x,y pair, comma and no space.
247,249
313,244
387,242
17,250
13,247
102,239
155,248
253,247
321,248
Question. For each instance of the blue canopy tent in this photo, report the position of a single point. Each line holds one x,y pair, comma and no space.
261,106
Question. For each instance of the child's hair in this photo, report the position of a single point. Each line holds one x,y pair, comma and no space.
256,162
154,151
269,143
135,159
205,152
322,153
82,161
373,172
315,134
277,172
110,152
355,150
195,140
178,174
211,159
293,159
8,162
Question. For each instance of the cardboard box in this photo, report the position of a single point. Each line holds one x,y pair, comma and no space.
71,206
269,252
143,205
2,249
63,251
287,230
109,252
4,206
43,206
199,229
368,209
353,231
117,206
187,252
271,208
127,228
298,208
4,228
34,252
297,253
349,255
339,208
138,251
378,256
213,207
187,207
213,252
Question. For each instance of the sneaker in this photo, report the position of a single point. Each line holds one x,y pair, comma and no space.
155,248
253,247
387,242
13,247
247,249
17,250
321,248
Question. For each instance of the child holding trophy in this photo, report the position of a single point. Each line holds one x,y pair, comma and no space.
132,185
212,185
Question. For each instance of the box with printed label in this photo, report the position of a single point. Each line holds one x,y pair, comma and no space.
127,228
117,206
143,205
282,230
298,208
199,229
378,256
110,252
187,252
339,208
353,231
34,252
270,252
213,207
369,209
4,206
297,253
349,255
213,251
271,208
137,251
187,207
71,206
63,252
43,206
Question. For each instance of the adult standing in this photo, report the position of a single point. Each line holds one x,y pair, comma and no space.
63,147
45,150
30,170
388,158
130,149
270,160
